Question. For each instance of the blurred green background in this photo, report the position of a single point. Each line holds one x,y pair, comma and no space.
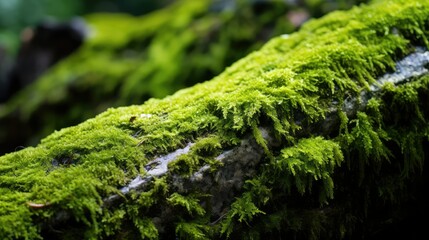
15,15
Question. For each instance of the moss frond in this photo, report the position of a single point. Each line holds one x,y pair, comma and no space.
190,203
242,210
310,159
192,231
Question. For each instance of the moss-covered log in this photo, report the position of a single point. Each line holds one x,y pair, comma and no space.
320,134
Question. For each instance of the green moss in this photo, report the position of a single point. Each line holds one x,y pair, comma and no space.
202,152
243,210
190,203
288,84
147,228
194,231
309,160
15,219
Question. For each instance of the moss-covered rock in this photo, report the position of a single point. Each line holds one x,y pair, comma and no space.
344,156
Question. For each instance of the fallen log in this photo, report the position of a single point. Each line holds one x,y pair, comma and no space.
320,134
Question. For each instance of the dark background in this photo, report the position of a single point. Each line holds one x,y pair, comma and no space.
15,15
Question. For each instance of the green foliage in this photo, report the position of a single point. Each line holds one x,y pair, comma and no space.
151,197
260,193
13,223
308,160
242,210
367,140
202,152
192,231
410,109
207,146
190,203
112,221
147,228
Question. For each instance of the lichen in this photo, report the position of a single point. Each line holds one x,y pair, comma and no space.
325,184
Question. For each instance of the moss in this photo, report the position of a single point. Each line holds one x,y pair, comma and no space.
202,152
190,203
186,230
308,160
288,84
